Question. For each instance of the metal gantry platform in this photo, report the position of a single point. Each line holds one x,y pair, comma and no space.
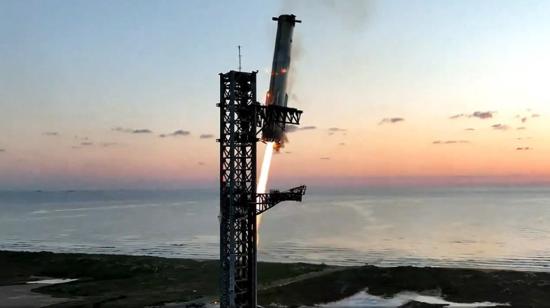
241,120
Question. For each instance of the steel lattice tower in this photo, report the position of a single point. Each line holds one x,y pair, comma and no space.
241,119
238,187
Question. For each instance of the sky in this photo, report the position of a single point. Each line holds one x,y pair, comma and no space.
112,95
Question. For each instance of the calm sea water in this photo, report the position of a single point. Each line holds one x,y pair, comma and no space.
490,227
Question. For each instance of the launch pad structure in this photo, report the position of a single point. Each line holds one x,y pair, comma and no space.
242,118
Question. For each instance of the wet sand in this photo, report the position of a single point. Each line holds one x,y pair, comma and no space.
21,295
137,281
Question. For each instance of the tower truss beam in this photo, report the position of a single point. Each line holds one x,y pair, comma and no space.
241,116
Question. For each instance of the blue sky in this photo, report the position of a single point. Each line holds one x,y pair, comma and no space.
81,68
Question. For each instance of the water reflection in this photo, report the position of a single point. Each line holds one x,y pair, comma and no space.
489,227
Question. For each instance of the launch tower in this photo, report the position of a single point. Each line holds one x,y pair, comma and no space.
242,119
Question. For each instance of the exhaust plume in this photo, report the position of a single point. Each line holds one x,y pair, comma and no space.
262,182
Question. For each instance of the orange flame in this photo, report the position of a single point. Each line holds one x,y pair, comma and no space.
277,146
268,99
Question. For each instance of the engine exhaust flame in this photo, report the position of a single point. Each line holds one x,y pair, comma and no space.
262,182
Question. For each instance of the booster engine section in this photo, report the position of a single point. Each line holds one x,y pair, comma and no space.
277,94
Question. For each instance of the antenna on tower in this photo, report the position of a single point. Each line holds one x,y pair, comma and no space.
239,57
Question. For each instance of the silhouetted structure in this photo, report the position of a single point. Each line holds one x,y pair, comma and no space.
242,118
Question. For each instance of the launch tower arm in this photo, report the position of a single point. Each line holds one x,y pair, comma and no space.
277,116
281,115
268,200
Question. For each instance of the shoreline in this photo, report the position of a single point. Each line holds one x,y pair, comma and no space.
389,263
122,280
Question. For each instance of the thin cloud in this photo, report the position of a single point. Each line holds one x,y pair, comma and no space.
342,144
524,118
122,129
500,126
391,120
177,133
470,129
206,136
450,142
142,131
337,129
132,131
51,134
2,150
87,143
334,130
476,114
295,128
181,132
324,158
523,148
108,144
291,128
482,114
521,128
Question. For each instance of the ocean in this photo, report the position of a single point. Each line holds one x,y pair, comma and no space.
482,227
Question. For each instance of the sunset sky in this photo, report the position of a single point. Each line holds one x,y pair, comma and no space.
392,91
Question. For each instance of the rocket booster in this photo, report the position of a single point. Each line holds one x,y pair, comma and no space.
277,94
281,60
